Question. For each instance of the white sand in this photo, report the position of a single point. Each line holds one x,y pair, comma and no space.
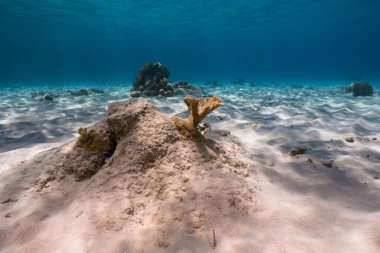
301,206
13,158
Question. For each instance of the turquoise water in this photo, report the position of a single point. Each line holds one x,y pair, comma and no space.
78,41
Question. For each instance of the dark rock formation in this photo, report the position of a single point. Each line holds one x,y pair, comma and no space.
81,92
152,80
97,91
362,89
299,150
44,96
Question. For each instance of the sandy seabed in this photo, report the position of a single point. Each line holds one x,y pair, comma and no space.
324,200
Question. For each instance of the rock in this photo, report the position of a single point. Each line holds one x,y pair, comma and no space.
362,89
78,93
44,96
222,132
135,94
350,139
98,91
299,150
327,163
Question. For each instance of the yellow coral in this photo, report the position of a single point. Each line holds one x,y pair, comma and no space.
198,108
93,141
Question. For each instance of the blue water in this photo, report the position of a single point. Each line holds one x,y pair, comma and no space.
57,41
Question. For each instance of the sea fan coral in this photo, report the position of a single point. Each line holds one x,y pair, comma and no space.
198,108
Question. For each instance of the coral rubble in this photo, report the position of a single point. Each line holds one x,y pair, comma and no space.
198,109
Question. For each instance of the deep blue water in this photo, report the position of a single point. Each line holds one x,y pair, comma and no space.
65,41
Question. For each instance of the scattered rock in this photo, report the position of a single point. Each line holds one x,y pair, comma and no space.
327,163
221,116
44,96
222,132
163,244
78,93
361,89
95,90
299,150
135,94
8,201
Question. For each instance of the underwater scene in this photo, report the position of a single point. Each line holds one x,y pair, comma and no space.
189,126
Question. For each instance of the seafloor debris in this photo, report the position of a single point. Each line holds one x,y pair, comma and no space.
198,109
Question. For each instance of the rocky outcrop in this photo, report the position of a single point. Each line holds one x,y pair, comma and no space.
362,89
152,182
359,89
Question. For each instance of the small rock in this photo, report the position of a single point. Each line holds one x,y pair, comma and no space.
376,177
221,116
350,139
135,94
81,92
163,244
327,163
374,138
299,150
94,90
222,132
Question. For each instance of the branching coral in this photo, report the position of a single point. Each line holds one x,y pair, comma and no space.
198,109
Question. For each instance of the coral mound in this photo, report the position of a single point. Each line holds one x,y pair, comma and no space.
361,89
147,189
198,109
152,80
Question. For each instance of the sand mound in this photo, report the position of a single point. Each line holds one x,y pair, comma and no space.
149,190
